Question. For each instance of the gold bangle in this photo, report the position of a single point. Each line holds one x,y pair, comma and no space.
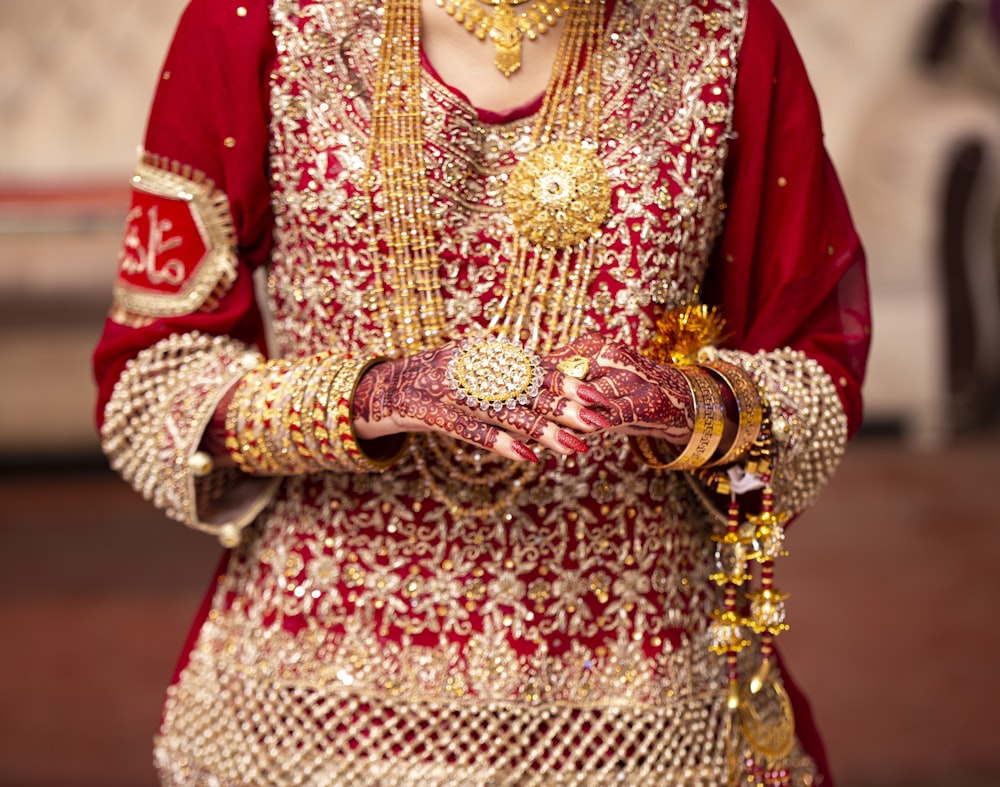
243,434
234,427
258,436
296,406
328,453
706,434
285,435
257,424
748,403
709,420
252,406
291,417
344,415
286,393
311,409
643,446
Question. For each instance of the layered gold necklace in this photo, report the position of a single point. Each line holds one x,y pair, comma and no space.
557,197
504,26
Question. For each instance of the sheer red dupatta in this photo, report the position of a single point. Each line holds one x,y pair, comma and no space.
789,270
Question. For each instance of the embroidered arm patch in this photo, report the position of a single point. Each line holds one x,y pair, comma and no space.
178,255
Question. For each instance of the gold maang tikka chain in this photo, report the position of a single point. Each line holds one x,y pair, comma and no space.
505,27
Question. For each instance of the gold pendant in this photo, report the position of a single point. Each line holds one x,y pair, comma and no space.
506,28
506,37
767,721
558,195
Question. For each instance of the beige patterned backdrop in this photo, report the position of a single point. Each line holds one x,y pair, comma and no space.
75,76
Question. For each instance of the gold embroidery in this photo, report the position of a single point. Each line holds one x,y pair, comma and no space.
155,418
161,274
810,424
537,629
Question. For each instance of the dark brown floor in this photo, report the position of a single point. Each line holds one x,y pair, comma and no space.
894,620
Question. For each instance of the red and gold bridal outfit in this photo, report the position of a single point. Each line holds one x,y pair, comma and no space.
456,620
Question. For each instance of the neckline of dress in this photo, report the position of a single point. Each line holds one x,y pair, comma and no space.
485,116
491,117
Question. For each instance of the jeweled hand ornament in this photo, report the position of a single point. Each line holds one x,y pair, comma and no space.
494,373
575,366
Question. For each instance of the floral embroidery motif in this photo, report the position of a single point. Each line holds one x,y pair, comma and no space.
398,639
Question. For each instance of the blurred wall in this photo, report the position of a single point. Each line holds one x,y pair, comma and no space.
76,77
75,81
910,93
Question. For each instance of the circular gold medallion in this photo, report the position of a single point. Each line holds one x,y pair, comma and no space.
494,373
558,195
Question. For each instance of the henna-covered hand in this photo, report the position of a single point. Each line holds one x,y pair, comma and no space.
644,397
412,394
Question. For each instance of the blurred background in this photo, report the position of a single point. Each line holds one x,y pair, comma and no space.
893,575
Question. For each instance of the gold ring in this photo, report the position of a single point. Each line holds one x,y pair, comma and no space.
575,366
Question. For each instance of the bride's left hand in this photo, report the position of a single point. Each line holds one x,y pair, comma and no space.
644,397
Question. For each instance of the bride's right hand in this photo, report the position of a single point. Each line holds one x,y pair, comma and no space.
412,394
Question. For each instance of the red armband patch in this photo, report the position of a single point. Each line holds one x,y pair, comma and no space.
178,254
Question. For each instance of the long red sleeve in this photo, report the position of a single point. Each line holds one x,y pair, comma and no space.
210,114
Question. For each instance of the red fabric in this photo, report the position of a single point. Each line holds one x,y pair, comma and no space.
163,246
789,270
216,74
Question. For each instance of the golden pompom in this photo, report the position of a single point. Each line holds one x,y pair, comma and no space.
682,333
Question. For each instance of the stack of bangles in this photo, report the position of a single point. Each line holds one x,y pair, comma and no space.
712,383
290,417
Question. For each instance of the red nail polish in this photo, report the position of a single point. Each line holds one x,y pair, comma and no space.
591,418
524,452
592,396
566,440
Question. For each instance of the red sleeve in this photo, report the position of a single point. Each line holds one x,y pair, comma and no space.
210,116
789,270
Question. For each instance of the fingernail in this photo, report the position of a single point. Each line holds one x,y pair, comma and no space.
591,418
523,451
566,440
592,396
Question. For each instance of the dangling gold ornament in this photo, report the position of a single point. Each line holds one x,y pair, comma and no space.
559,195
768,721
505,28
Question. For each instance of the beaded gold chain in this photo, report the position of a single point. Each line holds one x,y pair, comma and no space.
505,28
414,319
557,197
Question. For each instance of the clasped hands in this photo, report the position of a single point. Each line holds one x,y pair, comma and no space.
621,392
